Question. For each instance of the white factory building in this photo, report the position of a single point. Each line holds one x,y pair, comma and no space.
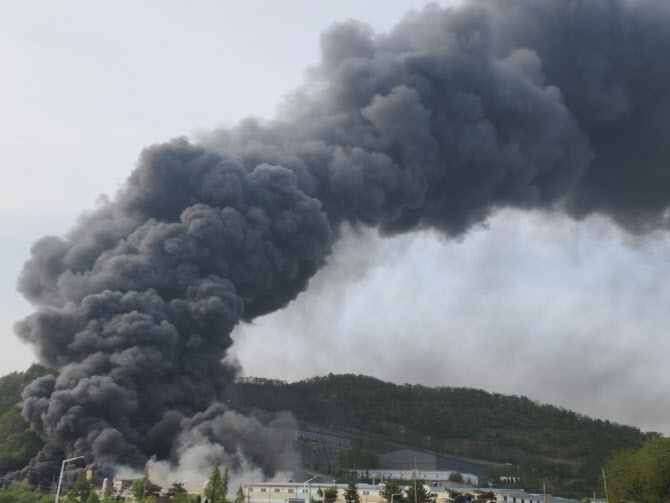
433,477
292,492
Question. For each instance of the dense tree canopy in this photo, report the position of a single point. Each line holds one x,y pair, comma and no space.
17,442
358,459
641,475
433,415
18,495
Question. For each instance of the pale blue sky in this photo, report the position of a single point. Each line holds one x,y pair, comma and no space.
567,313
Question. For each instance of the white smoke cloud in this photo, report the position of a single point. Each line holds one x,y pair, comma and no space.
252,451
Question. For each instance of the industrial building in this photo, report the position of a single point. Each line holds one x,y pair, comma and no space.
291,492
436,467
299,492
431,477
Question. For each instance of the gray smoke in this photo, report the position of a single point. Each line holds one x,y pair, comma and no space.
240,440
545,104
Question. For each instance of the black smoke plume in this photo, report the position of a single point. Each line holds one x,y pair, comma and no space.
557,105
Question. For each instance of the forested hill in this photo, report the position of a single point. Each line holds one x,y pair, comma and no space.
17,442
547,441
438,417
544,443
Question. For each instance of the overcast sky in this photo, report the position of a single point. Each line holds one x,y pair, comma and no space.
568,313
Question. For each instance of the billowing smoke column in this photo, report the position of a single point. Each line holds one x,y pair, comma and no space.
554,105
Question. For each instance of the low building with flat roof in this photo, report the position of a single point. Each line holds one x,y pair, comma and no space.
296,492
409,459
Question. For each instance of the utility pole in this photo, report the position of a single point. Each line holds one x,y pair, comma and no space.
309,494
415,474
146,479
60,479
544,491
605,482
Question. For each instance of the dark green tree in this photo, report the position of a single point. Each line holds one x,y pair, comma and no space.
175,494
93,497
358,458
420,495
217,486
225,479
390,488
107,496
20,495
457,497
455,477
82,488
143,488
239,498
330,495
486,496
351,493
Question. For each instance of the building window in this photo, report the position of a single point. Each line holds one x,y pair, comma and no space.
277,490
290,490
263,490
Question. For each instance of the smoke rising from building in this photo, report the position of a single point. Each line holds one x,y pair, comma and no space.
559,106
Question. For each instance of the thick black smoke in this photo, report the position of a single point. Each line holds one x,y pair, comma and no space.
548,104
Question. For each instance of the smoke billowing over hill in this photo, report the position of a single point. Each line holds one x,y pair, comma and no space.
557,106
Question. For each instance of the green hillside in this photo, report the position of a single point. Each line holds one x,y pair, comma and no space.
544,443
18,443
537,442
